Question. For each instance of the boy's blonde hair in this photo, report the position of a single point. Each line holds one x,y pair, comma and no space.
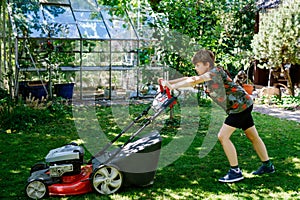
204,56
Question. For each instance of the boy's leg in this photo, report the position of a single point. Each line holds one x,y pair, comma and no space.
257,143
229,149
234,173
261,151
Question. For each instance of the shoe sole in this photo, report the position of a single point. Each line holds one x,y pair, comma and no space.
232,180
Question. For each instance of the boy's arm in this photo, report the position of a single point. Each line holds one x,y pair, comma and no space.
177,80
189,81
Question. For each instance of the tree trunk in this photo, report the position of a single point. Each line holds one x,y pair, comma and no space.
290,84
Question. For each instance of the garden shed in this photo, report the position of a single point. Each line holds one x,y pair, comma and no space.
99,49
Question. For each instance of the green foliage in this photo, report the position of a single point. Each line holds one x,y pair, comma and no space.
145,55
225,27
3,93
189,177
115,3
286,102
19,116
277,42
46,54
183,27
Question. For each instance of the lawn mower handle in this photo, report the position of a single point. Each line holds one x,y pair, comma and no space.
169,103
167,90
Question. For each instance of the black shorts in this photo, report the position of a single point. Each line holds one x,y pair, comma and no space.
242,120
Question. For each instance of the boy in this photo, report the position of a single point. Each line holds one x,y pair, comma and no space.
237,104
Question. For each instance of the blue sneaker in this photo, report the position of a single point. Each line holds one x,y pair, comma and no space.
264,170
233,175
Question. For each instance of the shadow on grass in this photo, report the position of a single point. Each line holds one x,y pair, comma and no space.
193,178
21,150
189,177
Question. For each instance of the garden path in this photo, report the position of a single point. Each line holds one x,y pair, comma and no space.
278,112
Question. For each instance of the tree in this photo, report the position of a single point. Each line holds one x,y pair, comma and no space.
277,43
224,26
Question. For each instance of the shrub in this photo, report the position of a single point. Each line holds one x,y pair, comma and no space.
20,115
3,93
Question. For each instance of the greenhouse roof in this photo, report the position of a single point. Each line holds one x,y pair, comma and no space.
70,19
266,4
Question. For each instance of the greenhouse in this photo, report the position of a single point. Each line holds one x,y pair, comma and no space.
105,53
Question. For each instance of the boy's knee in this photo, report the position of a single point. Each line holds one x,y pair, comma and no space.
221,137
253,138
252,135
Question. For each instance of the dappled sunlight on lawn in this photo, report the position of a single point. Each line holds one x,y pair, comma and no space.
187,177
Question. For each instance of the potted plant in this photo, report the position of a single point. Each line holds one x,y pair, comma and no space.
37,89
63,80
34,75
249,88
242,79
64,87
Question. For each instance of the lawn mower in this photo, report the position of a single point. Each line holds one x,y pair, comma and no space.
64,171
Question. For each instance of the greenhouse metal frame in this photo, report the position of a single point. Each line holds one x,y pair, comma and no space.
76,36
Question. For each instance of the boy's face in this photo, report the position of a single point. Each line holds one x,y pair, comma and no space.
201,67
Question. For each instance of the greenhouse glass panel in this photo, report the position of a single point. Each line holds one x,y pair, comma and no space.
91,60
60,22
57,30
143,23
87,5
28,19
123,52
61,14
88,16
95,46
91,25
146,31
92,30
119,27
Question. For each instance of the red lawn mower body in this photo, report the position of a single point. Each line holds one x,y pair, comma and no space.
73,184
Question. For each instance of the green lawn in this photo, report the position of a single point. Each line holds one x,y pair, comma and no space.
188,177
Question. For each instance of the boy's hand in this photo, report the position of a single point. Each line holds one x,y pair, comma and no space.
164,83
161,81
167,84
